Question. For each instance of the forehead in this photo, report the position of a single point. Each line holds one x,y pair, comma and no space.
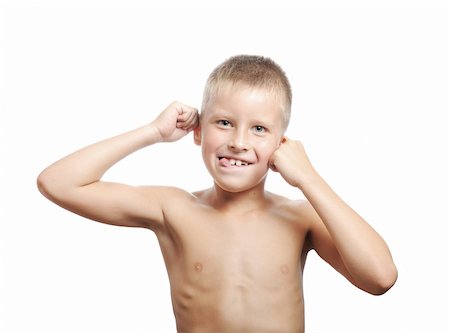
243,100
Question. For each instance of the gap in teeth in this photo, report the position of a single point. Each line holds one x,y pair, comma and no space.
237,162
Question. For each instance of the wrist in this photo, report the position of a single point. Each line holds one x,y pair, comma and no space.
308,179
153,134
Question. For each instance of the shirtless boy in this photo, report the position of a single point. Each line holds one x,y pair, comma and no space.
234,252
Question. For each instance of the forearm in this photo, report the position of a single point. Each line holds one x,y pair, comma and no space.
363,251
88,164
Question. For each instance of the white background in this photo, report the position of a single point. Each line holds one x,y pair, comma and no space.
370,84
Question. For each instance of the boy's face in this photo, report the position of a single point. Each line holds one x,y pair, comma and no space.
239,131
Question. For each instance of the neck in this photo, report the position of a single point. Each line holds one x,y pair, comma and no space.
244,201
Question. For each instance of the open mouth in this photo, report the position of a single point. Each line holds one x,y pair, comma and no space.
227,162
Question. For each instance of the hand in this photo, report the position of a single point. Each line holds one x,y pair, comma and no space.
291,161
176,121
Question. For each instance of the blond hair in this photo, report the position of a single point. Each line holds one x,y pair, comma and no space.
255,72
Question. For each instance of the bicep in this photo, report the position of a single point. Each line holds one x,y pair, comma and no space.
320,240
116,204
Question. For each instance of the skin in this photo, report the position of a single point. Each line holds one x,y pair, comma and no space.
234,253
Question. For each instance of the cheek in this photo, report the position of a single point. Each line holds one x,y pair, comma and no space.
266,149
210,140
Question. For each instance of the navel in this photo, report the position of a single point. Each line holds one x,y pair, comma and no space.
284,269
198,267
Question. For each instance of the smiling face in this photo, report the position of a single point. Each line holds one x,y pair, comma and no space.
239,130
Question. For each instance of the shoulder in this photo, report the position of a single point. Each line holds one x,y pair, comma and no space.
174,199
299,209
166,194
299,213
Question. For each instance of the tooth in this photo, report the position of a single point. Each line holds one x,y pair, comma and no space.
232,162
238,163
244,163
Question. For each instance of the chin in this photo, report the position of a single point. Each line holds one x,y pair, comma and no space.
238,187
232,189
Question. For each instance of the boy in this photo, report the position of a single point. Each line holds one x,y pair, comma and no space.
234,252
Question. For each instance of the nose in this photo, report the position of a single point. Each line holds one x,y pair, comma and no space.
239,141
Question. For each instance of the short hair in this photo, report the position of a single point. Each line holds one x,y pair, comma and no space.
254,71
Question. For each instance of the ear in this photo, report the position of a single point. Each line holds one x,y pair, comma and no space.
283,139
198,135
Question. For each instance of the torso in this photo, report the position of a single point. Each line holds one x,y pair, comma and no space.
233,273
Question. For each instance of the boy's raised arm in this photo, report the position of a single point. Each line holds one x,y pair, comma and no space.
74,181
338,234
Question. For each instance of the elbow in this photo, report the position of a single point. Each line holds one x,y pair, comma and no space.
384,281
42,184
46,185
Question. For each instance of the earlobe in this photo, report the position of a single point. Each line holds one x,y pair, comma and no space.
198,135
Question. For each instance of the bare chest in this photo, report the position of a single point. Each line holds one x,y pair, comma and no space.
260,246
235,270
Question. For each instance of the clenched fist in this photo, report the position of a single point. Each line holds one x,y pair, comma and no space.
291,161
176,121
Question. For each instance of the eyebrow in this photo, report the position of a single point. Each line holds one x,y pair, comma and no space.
218,113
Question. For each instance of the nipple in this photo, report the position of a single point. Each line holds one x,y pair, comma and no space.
198,267
284,269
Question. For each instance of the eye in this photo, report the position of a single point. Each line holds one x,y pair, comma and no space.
224,123
259,129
